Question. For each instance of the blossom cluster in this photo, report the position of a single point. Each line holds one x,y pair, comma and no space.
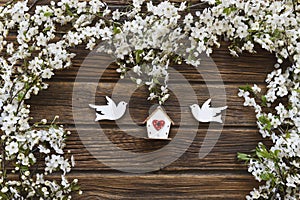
274,25
25,62
146,43
146,39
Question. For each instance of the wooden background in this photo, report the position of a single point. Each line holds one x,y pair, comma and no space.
217,176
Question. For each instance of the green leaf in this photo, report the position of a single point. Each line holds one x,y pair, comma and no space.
265,121
297,90
264,100
267,176
23,168
218,2
246,88
68,10
227,11
31,161
289,106
47,29
20,96
262,152
277,33
4,196
48,14
156,81
75,187
243,156
116,30
276,153
288,135
138,56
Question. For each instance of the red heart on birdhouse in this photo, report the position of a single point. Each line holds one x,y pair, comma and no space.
158,124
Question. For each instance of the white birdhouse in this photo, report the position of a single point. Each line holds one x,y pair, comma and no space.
158,124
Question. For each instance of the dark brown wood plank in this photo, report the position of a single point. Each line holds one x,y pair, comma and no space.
160,186
189,186
57,100
245,69
221,158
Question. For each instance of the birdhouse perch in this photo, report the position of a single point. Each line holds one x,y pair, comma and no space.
158,124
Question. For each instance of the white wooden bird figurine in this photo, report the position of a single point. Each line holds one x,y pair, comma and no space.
109,111
206,113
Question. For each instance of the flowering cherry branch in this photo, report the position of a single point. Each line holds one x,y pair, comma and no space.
144,41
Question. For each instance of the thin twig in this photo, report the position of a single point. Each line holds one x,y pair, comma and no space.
36,166
281,130
197,4
33,4
287,49
23,97
10,2
3,162
294,8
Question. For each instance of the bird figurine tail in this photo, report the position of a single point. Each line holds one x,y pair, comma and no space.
100,117
217,119
224,107
92,106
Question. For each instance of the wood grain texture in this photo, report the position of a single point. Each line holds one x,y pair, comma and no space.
217,176
58,99
239,135
171,186
231,68
221,158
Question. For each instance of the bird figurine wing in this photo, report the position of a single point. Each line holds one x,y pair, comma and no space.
104,111
215,111
206,113
109,111
110,102
206,104
219,109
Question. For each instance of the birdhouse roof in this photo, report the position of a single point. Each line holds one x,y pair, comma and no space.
159,108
